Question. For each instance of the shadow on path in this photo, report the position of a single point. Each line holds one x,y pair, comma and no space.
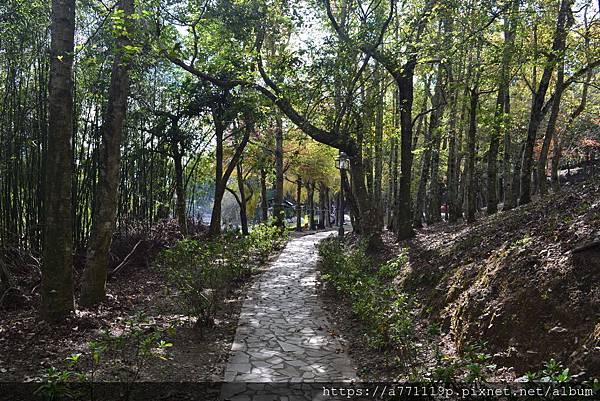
282,332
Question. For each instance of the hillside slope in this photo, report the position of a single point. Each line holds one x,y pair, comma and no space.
526,281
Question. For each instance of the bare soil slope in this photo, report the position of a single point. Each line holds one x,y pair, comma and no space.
526,281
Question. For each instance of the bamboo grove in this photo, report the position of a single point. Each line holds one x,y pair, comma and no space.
169,107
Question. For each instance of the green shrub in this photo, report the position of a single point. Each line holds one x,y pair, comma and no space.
392,268
385,311
472,366
264,239
200,272
552,371
203,273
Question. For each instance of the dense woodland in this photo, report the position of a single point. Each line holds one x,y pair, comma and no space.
212,116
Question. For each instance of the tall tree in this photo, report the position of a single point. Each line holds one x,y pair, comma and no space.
501,113
550,130
222,175
278,210
539,95
378,146
470,190
57,272
93,285
425,167
402,71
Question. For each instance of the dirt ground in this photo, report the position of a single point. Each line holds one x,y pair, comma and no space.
28,347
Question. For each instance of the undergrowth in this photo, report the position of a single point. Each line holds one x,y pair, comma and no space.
387,316
125,354
385,312
203,273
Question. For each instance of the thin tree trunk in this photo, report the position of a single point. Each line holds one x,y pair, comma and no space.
222,177
93,285
349,203
453,166
501,114
180,206
377,183
516,182
278,210
215,218
471,196
242,200
538,100
419,206
438,104
298,205
264,203
391,184
310,189
328,205
322,206
550,131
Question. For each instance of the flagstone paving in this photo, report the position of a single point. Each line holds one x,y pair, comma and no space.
282,335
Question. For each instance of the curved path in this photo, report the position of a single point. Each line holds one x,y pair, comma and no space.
282,334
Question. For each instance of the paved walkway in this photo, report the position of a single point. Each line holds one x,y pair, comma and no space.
283,334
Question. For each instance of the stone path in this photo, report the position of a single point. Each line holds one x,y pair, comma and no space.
282,334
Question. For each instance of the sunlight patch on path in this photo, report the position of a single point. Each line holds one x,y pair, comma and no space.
282,333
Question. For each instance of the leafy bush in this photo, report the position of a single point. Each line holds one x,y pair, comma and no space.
473,366
384,310
553,371
203,272
392,268
264,239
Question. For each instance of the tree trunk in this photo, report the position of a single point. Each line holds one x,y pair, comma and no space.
93,285
368,168
180,206
438,103
550,131
310,188
57,271
516,179
501,115
538,100
507,179
452,173
454,209
278,210
264,202
222,177
243,199
215,217
377,183
298,205
366,210
405,90
391,184
322,206
419,206
471,195
349,203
